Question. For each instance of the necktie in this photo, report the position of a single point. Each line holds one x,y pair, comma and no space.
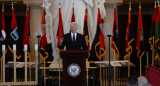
74,38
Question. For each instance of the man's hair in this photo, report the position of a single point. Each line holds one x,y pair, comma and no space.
132,81
142,80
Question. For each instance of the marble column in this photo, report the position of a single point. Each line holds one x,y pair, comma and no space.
35,22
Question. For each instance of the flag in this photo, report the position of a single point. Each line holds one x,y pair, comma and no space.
26,36
98,43
14,33
3,33
60,29
129,36
140,37
85,29
114,43
43,53
73,16
153,28
157,37
46,48
13,38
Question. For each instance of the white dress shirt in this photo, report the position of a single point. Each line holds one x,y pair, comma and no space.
75,34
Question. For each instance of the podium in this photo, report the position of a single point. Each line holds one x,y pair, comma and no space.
74,67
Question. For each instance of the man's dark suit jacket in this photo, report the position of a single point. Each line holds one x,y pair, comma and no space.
80,43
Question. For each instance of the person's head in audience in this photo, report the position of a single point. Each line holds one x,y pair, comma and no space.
142,80
132,81
147,84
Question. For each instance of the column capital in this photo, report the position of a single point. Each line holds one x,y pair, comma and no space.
112,2
33,2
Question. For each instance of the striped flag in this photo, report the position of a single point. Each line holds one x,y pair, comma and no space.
3,33
140,37
129,36
115,37
60,29
85,29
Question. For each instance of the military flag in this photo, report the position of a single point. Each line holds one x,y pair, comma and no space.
157,37
26,37
3,33
129,36
153,28
60,29
43,52
140,37
115,36
14,36
14,33
98,50
85,29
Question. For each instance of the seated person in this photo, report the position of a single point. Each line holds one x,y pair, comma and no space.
132,81
73,40
142,80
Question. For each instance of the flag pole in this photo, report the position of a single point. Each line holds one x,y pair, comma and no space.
3,53
129,55
44,72
100,69
59,79
29,69
114,61
114,69
129,66
153,52
87,71
59,72
140,67
1,68
109,62
147,59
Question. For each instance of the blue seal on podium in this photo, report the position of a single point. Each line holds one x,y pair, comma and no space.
74,70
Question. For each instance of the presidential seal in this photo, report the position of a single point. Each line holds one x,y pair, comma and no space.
74,70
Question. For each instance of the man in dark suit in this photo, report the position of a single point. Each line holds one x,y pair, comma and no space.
73,40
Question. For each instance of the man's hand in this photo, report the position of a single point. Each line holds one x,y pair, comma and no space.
61,40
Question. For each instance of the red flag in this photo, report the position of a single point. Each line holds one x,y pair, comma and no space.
3,33
46,48
73,16
140,37
43,29
99,47
114,43
85,28
43,51
153,28
14,33
60,28
129,36
26,29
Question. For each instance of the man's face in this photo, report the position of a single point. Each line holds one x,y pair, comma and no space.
73,27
